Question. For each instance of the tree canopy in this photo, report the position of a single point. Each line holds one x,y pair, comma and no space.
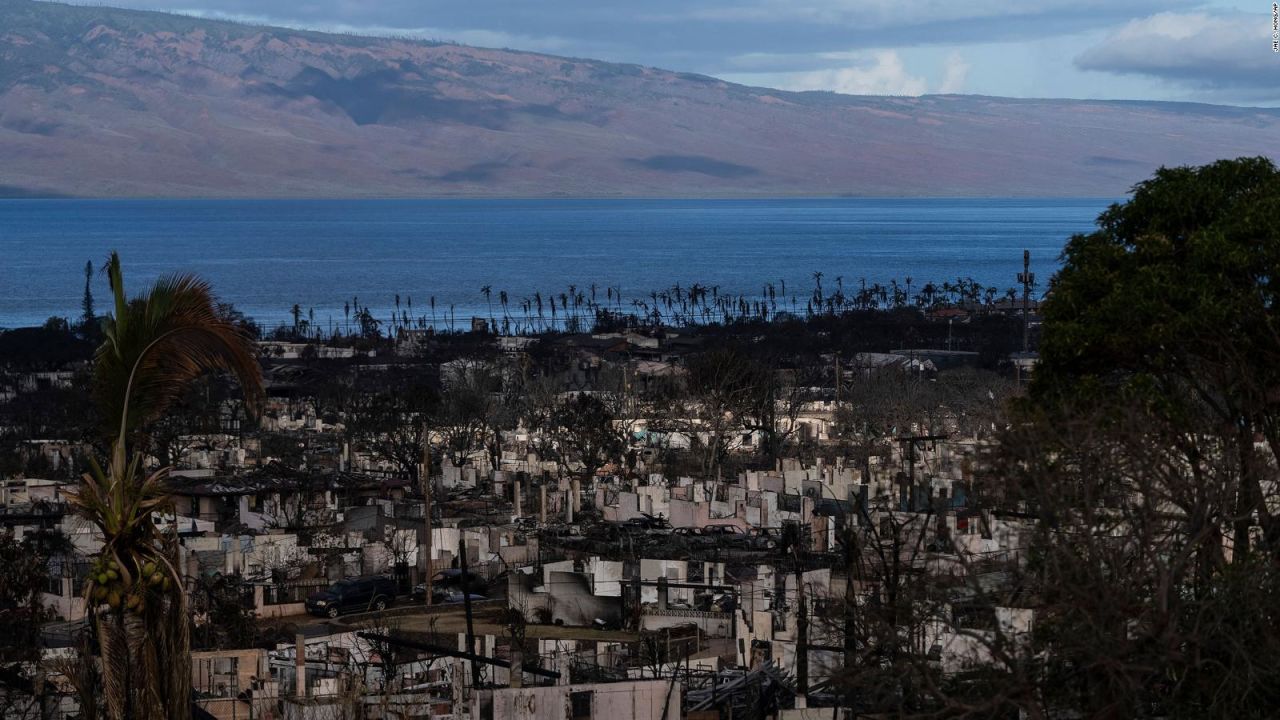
1151,458
1175,291
1171,306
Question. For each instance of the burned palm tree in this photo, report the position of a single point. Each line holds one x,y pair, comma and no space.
153,347
487,291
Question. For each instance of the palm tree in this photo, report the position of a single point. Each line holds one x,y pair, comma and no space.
153,347
487,291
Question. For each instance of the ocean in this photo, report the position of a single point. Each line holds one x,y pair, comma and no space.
267,256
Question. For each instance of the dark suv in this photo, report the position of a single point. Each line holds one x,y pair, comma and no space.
355,595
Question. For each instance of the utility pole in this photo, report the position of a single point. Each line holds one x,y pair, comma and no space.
425,479
909,444
838,381
466,603
852,556
802,634
1027,278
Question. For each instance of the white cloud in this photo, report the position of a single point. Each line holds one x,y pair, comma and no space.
1197,49
877,72
881,73
895,13
477,37
954,75
1015,47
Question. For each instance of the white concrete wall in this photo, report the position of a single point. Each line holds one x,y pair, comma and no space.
638,700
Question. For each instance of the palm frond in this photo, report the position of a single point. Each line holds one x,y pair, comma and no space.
154,346
158,343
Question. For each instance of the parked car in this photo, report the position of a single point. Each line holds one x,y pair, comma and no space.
649,522
616,532
690,538
353,595
450,580
735,538
773,538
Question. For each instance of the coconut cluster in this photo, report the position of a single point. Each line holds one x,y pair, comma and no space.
117,589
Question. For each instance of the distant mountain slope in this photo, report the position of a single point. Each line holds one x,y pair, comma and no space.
104,102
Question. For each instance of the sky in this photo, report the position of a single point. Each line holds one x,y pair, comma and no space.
1216,51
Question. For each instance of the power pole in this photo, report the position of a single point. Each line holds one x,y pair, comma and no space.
425,479
802,634
838,378
466,603
852,557
1027,278
909,444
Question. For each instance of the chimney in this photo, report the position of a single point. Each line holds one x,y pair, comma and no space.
517,492
542,509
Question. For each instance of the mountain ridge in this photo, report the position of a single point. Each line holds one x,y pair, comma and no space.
103,102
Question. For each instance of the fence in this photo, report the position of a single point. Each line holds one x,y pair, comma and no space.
294,591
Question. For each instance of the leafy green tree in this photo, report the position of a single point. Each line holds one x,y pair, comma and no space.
88,317
1147,456
1171,305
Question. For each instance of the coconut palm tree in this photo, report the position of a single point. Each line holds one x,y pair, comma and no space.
487,291
153,347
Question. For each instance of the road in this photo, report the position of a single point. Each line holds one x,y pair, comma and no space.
443,619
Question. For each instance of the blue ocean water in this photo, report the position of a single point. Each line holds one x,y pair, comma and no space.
267,256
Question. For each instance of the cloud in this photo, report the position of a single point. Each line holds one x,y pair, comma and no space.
847,45
697,35
1196,50
890,14
955,74
881,73
876,72
477,37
